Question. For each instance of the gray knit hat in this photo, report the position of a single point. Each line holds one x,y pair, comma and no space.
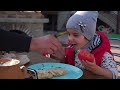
84,22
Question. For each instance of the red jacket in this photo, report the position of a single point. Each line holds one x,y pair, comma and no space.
98,52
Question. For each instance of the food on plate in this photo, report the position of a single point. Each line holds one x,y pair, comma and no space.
86,55
52,72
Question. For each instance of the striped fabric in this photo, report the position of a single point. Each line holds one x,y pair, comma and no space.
95,42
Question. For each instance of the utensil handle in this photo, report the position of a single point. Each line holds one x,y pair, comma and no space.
33,72
59,34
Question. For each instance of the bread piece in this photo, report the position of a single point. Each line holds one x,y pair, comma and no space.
52,72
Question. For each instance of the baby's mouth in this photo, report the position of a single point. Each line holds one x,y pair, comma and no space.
73,45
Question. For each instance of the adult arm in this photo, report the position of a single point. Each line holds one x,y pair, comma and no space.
14,42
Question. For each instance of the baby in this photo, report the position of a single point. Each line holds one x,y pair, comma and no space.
81,29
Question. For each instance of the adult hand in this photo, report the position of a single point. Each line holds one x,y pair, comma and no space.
59,54
46,44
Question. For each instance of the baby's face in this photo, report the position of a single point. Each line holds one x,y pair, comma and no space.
76,38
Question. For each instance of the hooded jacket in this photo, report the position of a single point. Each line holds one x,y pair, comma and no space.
98,52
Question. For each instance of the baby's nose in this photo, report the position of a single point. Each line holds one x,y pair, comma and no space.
71,39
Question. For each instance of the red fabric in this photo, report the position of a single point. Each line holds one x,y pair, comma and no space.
70,56
104,47
98,52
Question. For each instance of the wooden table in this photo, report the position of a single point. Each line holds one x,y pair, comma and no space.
42,59
90,75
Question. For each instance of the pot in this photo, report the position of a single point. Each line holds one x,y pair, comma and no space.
10,69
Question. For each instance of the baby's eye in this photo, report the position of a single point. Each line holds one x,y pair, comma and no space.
76,35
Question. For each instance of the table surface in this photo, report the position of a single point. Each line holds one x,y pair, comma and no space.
42,59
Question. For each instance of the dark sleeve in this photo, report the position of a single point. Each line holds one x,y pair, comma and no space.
14,42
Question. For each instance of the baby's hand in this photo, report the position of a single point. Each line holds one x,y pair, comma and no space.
88,65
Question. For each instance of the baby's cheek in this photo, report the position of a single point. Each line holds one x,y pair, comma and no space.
79,42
